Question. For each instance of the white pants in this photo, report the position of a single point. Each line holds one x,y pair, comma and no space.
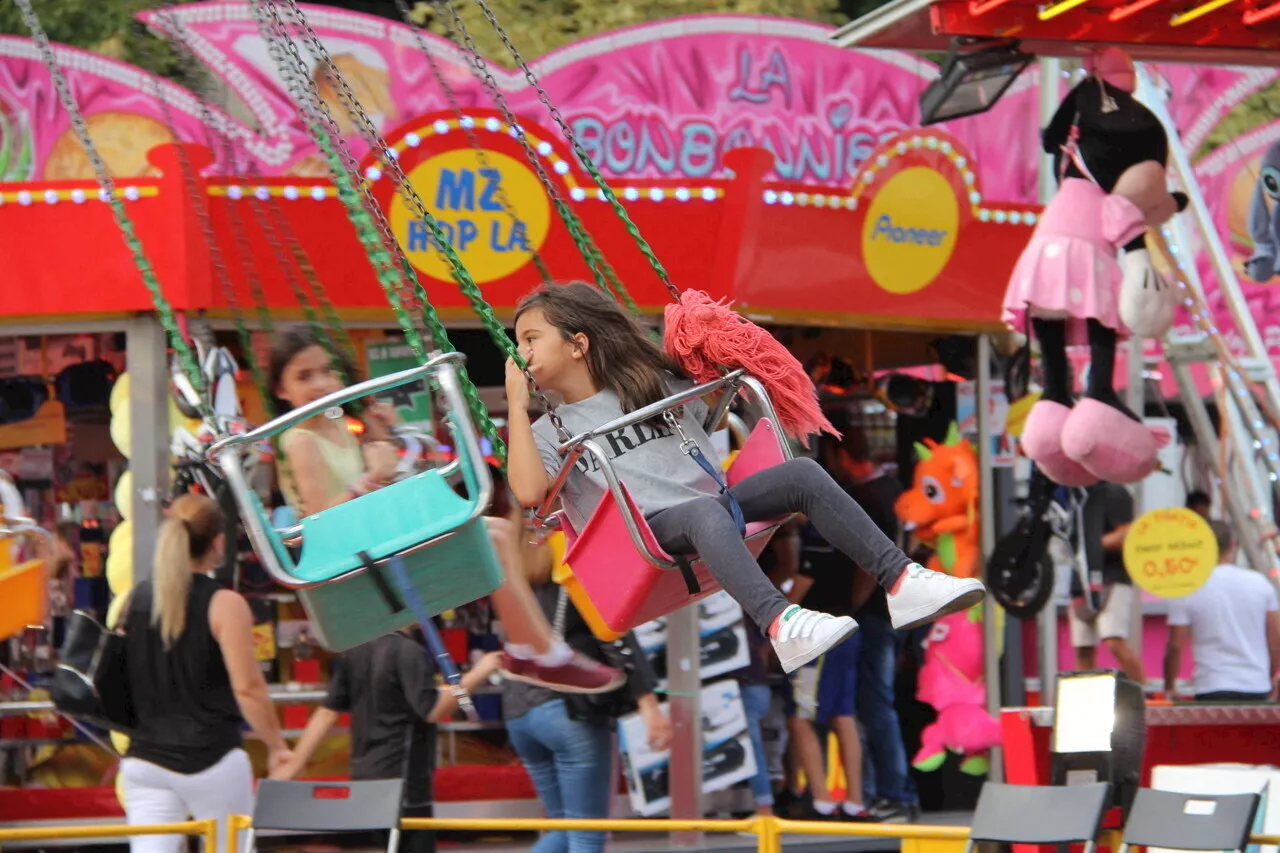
154,795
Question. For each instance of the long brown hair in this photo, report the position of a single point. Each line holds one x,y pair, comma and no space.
293,341
622,355
186,536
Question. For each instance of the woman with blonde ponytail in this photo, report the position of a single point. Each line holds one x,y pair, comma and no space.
194,682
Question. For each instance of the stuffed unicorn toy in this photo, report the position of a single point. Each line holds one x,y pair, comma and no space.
942,509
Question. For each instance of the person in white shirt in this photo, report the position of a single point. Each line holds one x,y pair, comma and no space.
1233,625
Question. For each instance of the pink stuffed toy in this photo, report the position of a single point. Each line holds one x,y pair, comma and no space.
1111,152
952,681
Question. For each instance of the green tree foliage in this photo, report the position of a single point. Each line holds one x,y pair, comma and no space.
1254,111
102,26
540,26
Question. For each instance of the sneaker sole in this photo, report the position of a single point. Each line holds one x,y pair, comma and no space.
819,651
561,688
961,602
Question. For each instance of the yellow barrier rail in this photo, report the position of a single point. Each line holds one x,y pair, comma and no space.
769,830
206,829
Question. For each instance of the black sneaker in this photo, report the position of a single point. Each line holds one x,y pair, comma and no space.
864,816
885,811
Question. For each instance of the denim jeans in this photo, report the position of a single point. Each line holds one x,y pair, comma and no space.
756,699
885,774
571,764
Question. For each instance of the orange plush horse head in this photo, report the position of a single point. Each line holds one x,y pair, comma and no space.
942,505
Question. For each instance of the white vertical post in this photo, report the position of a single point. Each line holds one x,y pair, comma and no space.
147,361
987,531
684,686
1136,400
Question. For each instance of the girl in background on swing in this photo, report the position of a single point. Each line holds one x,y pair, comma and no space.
326,465
601,360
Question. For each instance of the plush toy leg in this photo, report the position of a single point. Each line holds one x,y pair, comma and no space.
932,749
1101,433
1102,368
1042,432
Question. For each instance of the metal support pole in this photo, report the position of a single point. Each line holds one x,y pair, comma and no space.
1136,400
148,365
684,686
986,527
1047,621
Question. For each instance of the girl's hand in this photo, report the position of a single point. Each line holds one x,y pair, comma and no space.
383,414
657,725
283,764
517,388
380,460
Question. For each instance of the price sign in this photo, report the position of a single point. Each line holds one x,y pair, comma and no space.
264,642
1170,552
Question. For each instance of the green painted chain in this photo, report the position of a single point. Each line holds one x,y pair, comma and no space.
605,277
391,266
168,321
581,152
482,156
199,199
440,240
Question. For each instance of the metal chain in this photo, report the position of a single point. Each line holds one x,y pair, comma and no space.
406,191
107,192
200,200
468,129
585,159
605,277
385,255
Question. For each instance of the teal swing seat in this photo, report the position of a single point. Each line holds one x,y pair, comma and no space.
440,536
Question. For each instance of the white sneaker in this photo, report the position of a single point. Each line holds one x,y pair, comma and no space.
926,595
804,635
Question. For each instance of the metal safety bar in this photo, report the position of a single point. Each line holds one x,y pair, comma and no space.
443,368
206,829
586,442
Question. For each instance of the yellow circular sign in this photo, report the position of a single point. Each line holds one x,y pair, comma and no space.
467,199
1170,552
910,232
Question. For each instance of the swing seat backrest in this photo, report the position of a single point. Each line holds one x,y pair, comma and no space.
612,584
24,590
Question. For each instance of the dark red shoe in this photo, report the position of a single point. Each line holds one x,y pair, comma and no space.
580,674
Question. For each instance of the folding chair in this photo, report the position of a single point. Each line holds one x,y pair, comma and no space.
1036,814
1190,821
297,807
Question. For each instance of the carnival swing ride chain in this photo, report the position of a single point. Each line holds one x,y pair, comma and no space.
581,152
605,277
107,192
389,262
440,240
200,201
468,128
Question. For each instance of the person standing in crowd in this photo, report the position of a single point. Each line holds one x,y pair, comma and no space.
825,690
566,742
886,779
1107,616
388,686
194,682
1233,627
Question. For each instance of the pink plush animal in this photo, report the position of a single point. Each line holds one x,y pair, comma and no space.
951,680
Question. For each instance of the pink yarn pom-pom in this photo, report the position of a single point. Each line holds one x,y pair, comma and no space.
704,336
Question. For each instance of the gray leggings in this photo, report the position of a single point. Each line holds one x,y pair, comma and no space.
705,527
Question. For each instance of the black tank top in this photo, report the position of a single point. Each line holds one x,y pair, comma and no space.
188,718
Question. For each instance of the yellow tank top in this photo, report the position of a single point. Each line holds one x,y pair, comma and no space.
344,461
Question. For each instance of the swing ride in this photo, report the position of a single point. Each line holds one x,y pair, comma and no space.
418,528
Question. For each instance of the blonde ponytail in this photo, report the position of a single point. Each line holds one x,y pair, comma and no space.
187,535
171,580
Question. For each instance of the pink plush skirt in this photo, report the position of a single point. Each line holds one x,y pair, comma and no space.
1068,271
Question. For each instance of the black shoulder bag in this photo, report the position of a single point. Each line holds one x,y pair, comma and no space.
91,682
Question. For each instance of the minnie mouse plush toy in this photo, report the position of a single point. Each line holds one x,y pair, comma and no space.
1110,152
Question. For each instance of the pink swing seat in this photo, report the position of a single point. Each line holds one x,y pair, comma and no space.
615,587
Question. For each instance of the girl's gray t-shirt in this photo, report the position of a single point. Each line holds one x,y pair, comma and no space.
647,458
